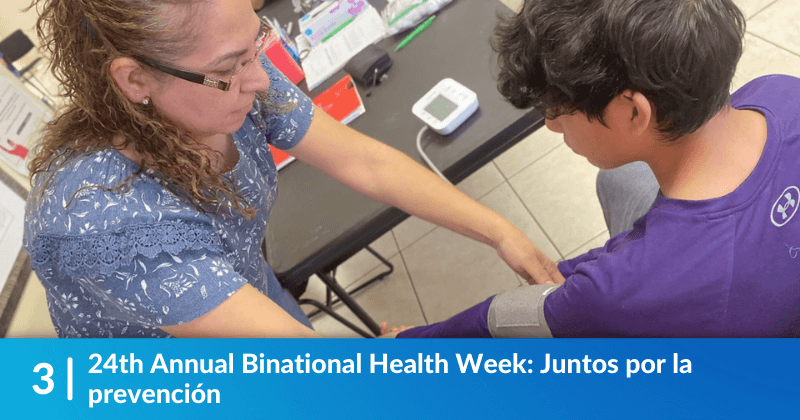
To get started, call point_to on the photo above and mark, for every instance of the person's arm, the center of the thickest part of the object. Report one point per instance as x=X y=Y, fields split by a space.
x=472 y=323
x=387 y=175
x=568 y=267
x=247 y=313
x=197 y=293
x=515 y=313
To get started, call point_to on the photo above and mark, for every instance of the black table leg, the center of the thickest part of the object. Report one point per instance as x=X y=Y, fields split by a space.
x=335 y=316
x=329 y=301
x=350 y=302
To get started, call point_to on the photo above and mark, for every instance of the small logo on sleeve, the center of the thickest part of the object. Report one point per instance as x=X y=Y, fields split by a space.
x=785 y=208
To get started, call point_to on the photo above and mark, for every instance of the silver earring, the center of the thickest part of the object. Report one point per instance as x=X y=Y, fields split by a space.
x=146 y=101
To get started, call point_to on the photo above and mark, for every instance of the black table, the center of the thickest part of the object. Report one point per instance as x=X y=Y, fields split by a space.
x=317 y=223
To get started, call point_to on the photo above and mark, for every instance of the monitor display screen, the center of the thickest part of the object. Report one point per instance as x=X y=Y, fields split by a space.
x=440 y=107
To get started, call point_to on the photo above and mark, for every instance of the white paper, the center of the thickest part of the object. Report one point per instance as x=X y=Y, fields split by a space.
x=21 y=120
x=331 y=56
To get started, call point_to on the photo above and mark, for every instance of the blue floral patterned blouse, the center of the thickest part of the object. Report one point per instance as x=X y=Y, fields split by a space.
x=121 y=264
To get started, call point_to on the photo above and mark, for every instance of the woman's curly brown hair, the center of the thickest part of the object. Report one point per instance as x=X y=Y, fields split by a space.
x=83 y=37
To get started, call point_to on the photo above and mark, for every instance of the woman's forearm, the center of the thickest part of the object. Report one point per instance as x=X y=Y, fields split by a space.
x=404 y=183
x=388 y=175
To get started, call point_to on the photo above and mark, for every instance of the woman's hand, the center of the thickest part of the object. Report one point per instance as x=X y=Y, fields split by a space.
x=527 y=260
x=387 y=332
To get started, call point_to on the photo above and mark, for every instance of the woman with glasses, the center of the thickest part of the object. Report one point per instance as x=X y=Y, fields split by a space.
x=152 y=187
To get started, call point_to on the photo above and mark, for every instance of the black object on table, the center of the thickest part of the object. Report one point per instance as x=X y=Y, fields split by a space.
x=317 y=223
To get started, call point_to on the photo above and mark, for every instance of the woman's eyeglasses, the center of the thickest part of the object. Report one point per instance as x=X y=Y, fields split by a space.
x=261 y=44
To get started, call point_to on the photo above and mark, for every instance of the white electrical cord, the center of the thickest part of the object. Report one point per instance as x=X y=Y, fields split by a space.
x=425 y=157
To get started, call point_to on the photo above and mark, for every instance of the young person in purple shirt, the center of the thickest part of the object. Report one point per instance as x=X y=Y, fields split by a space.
x=715 y=247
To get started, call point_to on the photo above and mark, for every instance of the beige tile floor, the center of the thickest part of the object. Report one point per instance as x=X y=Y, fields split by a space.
x=539 y=184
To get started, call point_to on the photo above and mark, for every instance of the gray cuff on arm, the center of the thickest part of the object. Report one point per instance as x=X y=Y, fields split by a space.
x=519 y=313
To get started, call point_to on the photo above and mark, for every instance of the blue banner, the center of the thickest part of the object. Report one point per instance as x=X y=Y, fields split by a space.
x=220 y=379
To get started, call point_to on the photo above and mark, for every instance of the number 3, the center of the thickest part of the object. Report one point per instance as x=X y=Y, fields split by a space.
x=45 y=378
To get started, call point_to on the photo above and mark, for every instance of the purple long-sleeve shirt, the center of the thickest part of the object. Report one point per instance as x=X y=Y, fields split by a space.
x=724 y=267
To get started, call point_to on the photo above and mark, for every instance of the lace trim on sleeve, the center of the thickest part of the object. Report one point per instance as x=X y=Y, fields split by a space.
x=103 y=253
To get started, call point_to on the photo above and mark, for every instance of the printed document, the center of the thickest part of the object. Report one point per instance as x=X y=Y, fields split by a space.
x=331 y=56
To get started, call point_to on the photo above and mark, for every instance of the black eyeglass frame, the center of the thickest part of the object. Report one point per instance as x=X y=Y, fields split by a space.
x=204 y=80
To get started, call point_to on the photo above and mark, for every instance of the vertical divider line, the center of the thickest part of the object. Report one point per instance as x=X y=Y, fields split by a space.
x=69 y=378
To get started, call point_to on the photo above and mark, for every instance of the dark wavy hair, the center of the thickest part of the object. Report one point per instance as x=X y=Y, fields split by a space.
x=566 y=56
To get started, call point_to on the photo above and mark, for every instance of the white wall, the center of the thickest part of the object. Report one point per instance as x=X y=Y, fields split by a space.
x=31 y=318
x=12 y=18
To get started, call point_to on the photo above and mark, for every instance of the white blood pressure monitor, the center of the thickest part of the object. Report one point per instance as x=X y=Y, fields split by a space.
x=446 y=106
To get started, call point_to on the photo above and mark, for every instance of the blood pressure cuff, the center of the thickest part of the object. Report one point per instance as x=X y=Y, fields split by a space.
x=519 y=313
x=368 y=66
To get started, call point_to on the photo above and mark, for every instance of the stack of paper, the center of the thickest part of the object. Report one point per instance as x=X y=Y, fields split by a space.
x=329 y=57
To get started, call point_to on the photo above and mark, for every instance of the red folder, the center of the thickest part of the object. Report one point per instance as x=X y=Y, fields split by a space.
x=341 y=101
x=281 y=158
x=282 y=60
